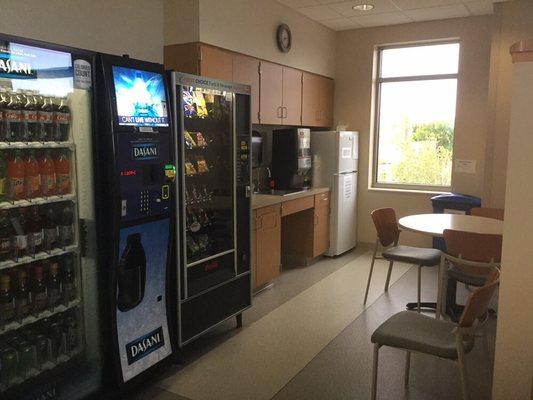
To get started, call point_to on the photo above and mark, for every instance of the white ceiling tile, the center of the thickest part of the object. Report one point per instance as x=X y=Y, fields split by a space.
x=340 y=24
x=319 y=13
x=392 y=18
x=480 y=7
x=299 y=3
x=427 y=14
x=380 y=6
x=414 y=4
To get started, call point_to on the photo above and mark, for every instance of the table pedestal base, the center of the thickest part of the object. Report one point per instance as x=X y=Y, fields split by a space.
x=424 y=305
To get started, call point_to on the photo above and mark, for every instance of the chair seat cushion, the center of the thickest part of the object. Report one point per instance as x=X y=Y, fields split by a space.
x=417 y=332
x=460 y=276
x=413 y=255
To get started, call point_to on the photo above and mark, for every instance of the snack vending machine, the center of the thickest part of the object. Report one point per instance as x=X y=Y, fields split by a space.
x=49 y=294
x=135 y=203
x=212 y=127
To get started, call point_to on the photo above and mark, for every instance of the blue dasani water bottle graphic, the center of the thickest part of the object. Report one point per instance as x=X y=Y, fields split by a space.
x=140 y=97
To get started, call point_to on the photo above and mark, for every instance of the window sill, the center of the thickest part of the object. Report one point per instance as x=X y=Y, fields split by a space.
x=411 y=191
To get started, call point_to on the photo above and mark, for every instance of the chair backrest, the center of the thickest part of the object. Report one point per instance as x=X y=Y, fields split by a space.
x=479 y=300
x=386 y=225
x=488 y=212
x=470 y=246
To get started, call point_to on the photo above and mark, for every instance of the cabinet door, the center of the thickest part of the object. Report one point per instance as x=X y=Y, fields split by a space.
x=254 y=249
x=321 y=231
x=270 y=93
x=216 y=63
x=326 y=102
x=268 y=242
x=292 y=96
x=311 y=99
x=246 y=70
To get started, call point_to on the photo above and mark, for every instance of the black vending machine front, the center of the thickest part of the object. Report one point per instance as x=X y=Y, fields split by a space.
x=135 y=171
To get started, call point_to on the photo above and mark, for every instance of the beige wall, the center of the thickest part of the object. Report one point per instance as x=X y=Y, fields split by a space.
x=119 y=26
x=249 y=26
x=182 y=21
x=513 y=368
x=513 y=21
x=353 y=96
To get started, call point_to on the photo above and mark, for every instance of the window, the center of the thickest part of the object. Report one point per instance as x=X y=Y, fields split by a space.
x=415 y=116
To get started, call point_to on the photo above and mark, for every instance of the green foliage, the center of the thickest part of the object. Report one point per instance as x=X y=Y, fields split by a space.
x=429 y=166
x=441 y=132
x=426 y=156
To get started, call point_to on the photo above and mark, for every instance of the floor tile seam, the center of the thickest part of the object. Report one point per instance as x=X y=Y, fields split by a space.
x=343 y=330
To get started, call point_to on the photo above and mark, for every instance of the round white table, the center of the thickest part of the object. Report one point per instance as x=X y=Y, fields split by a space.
x=434 y=225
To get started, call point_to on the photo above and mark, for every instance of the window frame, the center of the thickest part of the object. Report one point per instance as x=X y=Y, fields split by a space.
x=376 y=109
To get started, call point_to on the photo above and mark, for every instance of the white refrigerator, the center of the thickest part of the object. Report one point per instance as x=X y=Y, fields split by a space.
x=335 y=158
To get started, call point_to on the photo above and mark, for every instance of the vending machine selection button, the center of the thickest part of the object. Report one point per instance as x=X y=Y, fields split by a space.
x=124 y=208
x=165 y=192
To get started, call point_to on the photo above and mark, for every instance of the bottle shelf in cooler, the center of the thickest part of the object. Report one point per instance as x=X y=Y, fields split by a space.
x=36 y=145
x=44 y=314
x=37 y=201
x=34 y=372
x=38 y=256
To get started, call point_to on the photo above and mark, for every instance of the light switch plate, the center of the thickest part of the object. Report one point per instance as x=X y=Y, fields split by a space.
x=465 y=166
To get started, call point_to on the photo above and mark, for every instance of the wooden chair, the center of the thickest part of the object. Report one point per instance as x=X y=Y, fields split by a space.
x=388 y=234
x=469 y=258
x=414 y=332
x=487 y=212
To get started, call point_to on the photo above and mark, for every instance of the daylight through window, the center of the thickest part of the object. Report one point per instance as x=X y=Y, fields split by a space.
x=415 y=115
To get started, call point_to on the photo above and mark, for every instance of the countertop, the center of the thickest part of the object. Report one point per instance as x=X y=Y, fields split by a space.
x=265 y=200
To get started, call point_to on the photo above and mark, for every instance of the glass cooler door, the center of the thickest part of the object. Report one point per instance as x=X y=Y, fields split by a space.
x=49 y=340
x=208 y=188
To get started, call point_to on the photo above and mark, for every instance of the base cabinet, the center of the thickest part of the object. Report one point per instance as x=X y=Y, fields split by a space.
x=266 y=244
x=321 y=228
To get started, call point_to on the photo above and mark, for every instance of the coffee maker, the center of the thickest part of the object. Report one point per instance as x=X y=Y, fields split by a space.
x=291 y=158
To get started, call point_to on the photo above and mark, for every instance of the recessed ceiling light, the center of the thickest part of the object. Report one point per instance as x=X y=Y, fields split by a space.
x=363 y=7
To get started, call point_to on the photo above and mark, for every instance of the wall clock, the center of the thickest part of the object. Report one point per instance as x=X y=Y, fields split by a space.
x=284 y=38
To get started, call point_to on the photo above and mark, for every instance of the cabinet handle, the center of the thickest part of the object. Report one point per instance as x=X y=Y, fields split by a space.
x=280 y=112
x=284 y=112
x=316 y=220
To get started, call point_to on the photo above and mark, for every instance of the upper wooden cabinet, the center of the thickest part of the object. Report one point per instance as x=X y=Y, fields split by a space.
x=280 y=95
x=317 y=100
x=270 y=93
x=291 y=97
x=216 y=63
x=246 y=70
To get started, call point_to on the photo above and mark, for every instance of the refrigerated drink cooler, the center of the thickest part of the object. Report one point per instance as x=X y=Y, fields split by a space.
x=49 y=324
x=213 y=131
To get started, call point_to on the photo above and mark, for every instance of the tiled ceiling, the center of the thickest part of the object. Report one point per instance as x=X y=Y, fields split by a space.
x=339 y=15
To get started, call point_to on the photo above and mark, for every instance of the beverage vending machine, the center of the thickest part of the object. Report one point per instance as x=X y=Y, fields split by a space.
x=212 y=127
x=135 y=202
x=49 y=293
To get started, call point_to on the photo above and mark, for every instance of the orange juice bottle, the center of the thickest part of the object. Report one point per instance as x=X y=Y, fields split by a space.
x=33 y=178
x=62 y=170
x=48 y=177
x=15 y=176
